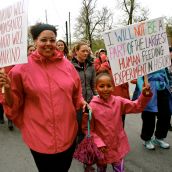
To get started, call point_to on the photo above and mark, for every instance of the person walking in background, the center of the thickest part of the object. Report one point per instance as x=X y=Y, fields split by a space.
x=61 y=46
x=30 y=49
x=84 y=65
x=85 y=69
x=106 y=124
x=41 y=98
x=156 y=115
x=101 y=62
x=169 y=75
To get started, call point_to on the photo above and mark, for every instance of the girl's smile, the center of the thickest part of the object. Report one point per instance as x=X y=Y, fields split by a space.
x=104 y=87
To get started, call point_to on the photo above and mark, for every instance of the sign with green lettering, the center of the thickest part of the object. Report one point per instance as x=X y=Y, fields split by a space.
x=137 y=50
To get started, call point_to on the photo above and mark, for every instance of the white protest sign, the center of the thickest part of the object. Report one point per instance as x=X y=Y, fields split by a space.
x=13 y=34
x=137 y=50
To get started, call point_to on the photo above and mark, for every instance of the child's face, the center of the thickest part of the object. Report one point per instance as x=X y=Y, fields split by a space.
x=104 y=87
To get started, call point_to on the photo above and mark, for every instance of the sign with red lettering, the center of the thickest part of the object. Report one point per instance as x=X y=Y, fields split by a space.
x=13 y=34
x=137 y=50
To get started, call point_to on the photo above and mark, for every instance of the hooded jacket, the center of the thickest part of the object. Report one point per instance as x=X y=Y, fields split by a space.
x=87 y=76
x=107 y=127
x=46 y=94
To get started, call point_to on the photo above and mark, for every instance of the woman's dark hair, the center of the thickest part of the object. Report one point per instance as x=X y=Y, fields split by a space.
x=104 y=73
x=36 y=29
x=66 y=50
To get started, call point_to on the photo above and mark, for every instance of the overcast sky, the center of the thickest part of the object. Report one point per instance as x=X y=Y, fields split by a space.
x=58 y=10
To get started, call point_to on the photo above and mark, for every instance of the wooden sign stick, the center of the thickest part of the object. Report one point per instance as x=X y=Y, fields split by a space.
x=3 y=88
x=146 y=82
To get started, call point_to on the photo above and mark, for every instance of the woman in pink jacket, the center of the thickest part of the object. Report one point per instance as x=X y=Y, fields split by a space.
x=106 y=123
x=41 y=98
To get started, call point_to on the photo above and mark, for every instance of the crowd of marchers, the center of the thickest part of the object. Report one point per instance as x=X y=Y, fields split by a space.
x=48 y=100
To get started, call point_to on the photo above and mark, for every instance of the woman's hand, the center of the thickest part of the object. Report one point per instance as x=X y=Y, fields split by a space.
x=85 y=107
x=5 y=85
x=5 y=81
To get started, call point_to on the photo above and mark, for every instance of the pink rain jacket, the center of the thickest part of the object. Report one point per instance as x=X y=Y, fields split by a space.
x=107 y=127
x=46 y=94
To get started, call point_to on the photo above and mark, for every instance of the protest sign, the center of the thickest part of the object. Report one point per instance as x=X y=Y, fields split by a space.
x=137 y=50
x=13 y=34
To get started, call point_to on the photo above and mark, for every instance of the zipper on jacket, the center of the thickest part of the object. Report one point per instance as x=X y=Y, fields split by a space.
x=85 y=77
x=54 y=119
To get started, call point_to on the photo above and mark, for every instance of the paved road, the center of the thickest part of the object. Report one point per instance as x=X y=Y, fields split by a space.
x=15 y=156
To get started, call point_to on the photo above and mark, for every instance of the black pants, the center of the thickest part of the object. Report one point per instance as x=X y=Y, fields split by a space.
x=160 y=119
x=1 y=112
x=80 y=134
x=59 y=162
x=123 y=120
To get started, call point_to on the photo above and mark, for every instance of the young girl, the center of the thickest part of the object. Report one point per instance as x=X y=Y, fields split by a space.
x=106 y=124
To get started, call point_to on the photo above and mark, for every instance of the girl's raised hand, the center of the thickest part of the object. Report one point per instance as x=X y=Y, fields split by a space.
x=146 y=91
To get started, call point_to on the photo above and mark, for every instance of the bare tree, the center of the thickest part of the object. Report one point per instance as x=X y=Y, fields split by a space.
x=133 y=11
x=106 y=19
x=129 y=6
x=91 y=21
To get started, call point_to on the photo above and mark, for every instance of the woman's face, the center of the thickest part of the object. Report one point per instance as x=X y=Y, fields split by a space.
x=46 y=43
x=31 y=49
x=82 y=53
x=60 y=46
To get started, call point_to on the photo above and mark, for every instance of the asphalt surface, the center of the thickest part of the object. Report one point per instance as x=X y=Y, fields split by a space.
x=16 y=157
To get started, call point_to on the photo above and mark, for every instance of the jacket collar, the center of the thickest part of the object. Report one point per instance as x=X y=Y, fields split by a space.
x=58 y=55
x=99 y=100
